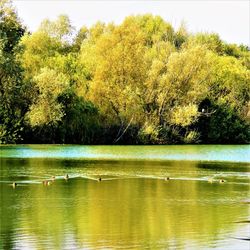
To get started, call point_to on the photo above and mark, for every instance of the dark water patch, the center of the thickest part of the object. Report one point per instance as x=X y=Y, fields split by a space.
x=243 y=221
x=225 y=166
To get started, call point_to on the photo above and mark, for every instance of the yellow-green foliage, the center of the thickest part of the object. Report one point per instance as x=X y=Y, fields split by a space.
x=191 y=137
x=46 y=110
x=119 y=72
x=184 y=115
x=140 y=77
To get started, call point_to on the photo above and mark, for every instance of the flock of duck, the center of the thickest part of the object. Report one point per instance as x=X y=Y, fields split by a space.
x=51 y=180
x=211 y=180
x=66 y=177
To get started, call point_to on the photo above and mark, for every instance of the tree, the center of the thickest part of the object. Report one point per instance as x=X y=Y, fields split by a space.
x=154 y=28
x=176 y=85
x=80 y=37
x=119 y=75
x=11 y=29
x=211 y=41
x=229 y=96
x=12 y=89
x=181 y=36
x=60 y=28
x=137 y=82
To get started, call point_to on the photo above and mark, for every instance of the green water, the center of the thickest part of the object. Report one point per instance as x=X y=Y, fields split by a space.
x=133 y=206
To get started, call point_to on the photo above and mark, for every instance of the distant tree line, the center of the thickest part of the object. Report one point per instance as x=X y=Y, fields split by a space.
x=140 y=82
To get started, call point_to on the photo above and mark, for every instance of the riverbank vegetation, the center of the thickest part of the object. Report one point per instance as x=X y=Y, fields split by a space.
x=139 y=82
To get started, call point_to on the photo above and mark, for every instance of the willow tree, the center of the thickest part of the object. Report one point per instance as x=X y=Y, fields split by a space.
x=229 y=94
x=42 y=54
x=154 y=28
x=57 y=82
x=176 y=84
x=119 y=75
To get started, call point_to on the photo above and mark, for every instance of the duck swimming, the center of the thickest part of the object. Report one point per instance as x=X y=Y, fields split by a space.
x=167 y=178
x=210 y=180
x=46 y=183
x=66 y=177
x=14 y=184
x=222 y=181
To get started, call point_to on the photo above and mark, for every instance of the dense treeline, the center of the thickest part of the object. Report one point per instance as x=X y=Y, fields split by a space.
x=140 y=82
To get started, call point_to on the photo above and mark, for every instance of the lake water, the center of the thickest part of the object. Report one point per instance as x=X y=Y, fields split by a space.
x=133 y=206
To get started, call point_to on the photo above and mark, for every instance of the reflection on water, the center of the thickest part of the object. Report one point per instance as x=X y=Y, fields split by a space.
x=132 y=207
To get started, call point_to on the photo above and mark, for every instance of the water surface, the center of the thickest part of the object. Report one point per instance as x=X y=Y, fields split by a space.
x=133 y=206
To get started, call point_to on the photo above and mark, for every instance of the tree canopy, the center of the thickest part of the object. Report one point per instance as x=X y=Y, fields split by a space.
x=139 y=82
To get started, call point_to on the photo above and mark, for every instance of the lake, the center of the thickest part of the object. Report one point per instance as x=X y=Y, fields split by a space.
x=119 y=197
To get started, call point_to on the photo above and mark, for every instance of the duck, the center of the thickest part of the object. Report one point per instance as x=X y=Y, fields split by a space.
x=221 y=180
x=14 y=184
x=66 y=177
x=210 y=180
x=46 y=183
x=167 y=178
x=99 y=179
x=53 y=178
